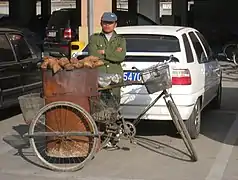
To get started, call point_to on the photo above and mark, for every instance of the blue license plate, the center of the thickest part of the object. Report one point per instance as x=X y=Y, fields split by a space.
x=132 y=76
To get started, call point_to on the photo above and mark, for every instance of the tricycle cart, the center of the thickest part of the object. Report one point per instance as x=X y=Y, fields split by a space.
x=70 y=126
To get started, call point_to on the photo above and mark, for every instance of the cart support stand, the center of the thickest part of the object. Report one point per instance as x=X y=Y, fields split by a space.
x=180 y=126
x=176 y=118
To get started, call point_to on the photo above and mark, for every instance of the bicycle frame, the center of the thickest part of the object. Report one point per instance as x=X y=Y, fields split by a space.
x=175 y=115
x=129 y=83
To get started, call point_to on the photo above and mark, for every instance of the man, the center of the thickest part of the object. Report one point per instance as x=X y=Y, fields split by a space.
x=110 y=47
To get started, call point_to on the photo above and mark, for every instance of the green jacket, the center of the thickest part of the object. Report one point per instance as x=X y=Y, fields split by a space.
x=111 y=58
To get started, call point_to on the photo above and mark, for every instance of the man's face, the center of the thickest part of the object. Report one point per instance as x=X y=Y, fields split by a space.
x=108 y=27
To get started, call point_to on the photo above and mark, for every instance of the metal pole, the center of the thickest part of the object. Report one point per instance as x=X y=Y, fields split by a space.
x=90 y=17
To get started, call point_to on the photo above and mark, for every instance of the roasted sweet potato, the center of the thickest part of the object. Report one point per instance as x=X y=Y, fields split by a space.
x=88 y=64
x=74 y=60
x=93 y=59
x=98 y=63
x=78 y=65
x=46 y=58
x=56 y=68
x=44 y=65
x=69 y=67
x=48 y=62
x=63 y=61
x=51 y=62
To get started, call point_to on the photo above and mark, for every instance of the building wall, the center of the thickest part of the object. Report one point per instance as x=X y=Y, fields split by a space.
x=165 y=7
x=100 y=6
x=55 y=6
x=150 y=10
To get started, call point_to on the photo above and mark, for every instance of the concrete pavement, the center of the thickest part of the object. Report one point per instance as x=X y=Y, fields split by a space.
x=159 y=155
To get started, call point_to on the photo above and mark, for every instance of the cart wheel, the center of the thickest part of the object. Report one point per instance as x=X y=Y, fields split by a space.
x=63 y=136
x=177 y=119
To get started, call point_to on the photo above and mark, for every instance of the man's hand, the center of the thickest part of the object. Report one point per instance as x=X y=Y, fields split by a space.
x=101 y=51
x=119 y=49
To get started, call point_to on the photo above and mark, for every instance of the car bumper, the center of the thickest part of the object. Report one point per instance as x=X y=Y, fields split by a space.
x=56 y=49
x=131 y=110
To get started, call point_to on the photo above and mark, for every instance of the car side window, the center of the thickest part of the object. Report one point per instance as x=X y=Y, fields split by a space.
x=6 y=52
x=20 y=46
x=188 y=50
x=205 y=44
x=198 y=48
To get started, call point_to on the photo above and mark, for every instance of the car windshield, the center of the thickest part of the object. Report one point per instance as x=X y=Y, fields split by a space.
x=152 y=43
x=59 y=19
x=64 y=18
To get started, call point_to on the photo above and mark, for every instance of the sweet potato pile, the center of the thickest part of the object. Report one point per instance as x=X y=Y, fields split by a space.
x=64 y=63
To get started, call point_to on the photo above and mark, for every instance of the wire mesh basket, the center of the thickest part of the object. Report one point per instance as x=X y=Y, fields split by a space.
x=104 y=109
x=156 y=78
x=30 y=104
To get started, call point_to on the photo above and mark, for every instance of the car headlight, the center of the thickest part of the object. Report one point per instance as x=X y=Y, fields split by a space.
x=107 y=79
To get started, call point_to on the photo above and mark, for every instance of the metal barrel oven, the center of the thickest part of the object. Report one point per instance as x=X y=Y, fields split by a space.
x=75 y=86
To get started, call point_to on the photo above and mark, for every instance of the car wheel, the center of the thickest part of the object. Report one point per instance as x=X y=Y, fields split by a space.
x=193 y=124
x=216 y=102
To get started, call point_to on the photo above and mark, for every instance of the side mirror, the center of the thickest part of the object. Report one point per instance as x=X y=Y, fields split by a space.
x=219 y=56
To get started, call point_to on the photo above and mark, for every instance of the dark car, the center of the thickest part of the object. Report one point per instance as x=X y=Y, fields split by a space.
x=63 y=26
x=36 y=25
x=34 y=40
x=19 y=72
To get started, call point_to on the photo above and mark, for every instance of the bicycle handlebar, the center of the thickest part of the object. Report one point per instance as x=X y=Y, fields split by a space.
x=124 y=84
x=129 y=83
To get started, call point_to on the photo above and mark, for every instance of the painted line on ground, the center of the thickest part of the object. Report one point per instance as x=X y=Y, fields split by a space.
x=222 y=158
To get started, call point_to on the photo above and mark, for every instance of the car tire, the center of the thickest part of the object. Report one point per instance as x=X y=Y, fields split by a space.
x=216 y=102
x=193 y=124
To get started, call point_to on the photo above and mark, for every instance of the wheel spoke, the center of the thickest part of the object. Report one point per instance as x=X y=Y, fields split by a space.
x=56 y=146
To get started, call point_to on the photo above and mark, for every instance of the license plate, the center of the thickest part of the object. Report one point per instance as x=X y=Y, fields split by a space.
x=51 y=34
x=132 y=76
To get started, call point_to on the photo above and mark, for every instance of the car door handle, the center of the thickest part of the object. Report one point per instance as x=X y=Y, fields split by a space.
x=24 y=66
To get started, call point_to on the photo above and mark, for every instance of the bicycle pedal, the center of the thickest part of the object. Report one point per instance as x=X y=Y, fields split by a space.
x=112 y=148
x=133 y=141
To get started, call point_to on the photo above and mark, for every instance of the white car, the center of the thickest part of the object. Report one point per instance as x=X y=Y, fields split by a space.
x=196 y=78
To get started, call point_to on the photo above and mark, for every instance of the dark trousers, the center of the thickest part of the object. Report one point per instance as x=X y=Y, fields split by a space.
x=117 y=94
